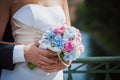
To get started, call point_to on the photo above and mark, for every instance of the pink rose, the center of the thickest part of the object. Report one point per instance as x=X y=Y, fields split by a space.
x=59 y=30
x=68 y=46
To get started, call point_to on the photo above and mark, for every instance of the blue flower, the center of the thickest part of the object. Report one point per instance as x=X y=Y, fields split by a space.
x=71 y=56
x=57 y=41
x=50 y=35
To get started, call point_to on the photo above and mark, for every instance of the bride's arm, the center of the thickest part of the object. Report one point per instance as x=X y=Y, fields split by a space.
x=64 y=4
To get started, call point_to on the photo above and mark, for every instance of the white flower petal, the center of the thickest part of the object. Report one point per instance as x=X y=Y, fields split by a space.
x=44 y=44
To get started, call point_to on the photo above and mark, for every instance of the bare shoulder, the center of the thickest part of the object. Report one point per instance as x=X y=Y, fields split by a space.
x=66 y=11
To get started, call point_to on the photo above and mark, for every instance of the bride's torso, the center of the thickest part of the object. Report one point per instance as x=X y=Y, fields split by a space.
x=29 y=23
x=32 y=19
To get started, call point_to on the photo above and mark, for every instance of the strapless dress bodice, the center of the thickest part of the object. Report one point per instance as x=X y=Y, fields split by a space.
x=29 y=23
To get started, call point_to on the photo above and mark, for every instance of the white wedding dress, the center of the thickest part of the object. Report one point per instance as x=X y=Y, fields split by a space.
x=29 y=23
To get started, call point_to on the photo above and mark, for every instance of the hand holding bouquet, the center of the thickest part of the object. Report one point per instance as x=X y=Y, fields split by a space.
x=65 y=40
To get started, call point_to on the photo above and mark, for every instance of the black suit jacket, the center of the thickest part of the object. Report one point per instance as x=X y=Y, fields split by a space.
x=6 y=51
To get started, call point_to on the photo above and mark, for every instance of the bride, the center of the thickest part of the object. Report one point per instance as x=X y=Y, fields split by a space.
x=30 y=19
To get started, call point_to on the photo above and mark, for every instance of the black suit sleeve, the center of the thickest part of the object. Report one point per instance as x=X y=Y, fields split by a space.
x=6 y=50
x=6 y=56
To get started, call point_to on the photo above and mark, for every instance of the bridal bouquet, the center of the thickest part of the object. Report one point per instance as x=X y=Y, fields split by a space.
x=65 y=40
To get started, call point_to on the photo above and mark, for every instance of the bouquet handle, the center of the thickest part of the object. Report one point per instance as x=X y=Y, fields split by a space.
x=59 y=56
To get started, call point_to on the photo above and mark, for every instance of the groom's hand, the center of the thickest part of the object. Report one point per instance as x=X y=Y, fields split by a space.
x=37 y=56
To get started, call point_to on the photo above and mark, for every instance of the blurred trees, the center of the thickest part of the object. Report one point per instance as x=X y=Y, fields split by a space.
x=100 y=18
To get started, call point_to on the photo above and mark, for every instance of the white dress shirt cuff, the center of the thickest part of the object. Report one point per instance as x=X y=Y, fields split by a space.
x=18 y=54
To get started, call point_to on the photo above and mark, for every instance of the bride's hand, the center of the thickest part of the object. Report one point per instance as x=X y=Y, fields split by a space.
x=55 y=67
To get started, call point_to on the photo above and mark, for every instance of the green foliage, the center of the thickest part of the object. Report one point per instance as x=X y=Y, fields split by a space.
x=101 y=19
x=31 y=66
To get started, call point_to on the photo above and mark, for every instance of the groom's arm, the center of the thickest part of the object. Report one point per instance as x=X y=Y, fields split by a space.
x=10 y=54
x=6 y=56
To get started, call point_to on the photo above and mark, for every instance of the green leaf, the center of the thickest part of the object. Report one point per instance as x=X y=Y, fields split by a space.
x=61 y=56
x=31 y=66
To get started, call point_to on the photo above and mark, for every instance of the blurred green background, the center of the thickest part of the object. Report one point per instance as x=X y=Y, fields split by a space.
x=100 y=19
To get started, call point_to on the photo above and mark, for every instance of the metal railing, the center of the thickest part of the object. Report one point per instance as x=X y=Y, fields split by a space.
x=95 y=65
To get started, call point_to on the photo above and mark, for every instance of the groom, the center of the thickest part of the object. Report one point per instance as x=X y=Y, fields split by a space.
x=10 y=54
x=6 y=51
